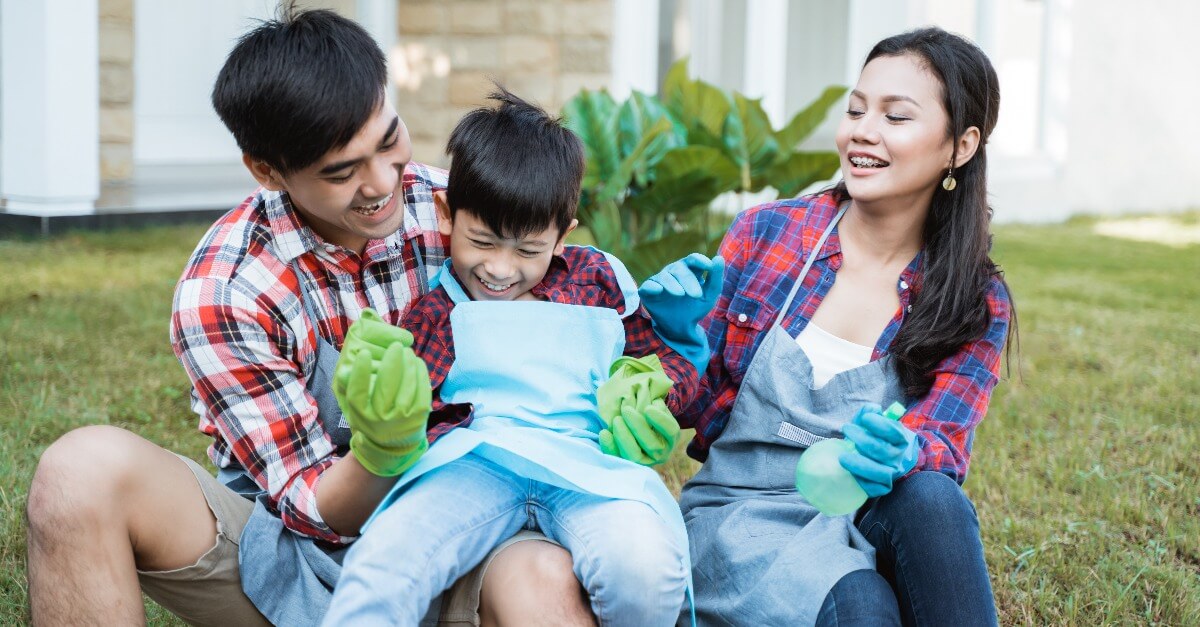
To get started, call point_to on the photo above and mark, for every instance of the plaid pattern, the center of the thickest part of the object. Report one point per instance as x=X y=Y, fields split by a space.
x=764 y=251
x=581 y=276
x=239 y=328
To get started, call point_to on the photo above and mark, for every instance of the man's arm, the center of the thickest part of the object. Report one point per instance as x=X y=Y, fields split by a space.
x=253 y=398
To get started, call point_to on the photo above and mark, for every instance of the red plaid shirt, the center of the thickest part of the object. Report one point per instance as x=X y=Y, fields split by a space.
x=581 y=276
x=241 y=331
x=765 y=251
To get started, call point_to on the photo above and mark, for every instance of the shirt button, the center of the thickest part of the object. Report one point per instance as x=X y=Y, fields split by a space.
x=741 y=317
x=903 y=284
x=908 y=309
x=329 y=248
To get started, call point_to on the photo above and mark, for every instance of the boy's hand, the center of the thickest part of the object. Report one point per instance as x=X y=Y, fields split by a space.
x=640 y=428
x=678 y=298
x=387 y=404
x=643 y=433
x=885 y=450
x=372 y=333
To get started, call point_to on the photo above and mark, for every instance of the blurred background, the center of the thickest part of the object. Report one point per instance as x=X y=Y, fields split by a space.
x=1084 y=473
x=104 y=103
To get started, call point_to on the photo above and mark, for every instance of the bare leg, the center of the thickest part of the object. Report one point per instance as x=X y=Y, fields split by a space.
x=533 y=583
x=103 y=503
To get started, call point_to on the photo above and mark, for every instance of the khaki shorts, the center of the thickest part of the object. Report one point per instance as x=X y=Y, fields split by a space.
x=209 y=592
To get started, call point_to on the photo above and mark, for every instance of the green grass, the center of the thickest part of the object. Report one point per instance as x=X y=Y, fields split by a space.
x=1084 y=471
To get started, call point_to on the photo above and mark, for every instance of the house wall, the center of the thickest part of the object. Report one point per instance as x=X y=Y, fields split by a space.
x=1133 y=145
x=116 y=90
x=448 y=52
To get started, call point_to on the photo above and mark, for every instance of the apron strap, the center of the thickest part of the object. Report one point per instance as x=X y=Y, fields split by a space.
x=629 y=288
x=808 y=264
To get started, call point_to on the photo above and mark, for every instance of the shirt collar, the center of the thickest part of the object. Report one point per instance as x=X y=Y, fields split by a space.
x=294 y=238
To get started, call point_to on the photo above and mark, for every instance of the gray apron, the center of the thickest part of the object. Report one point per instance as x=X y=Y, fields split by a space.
x=289 y=577
x=761 y=554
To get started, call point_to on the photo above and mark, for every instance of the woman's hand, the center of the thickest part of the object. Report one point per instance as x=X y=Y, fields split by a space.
x=678 y=298
x=885 y=450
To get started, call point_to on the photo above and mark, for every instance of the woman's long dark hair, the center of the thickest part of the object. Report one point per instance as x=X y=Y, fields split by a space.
x=949 y=305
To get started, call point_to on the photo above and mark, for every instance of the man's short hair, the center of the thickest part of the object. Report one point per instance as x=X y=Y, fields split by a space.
x=515 y=167
x=298 y=86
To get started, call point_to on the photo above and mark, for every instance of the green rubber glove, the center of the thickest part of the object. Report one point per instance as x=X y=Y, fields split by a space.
x=387 y=404
x=373 y=333
x=640 y=428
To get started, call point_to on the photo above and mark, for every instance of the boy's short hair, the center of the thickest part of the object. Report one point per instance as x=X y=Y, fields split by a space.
x=515 y=167
x=298 y=86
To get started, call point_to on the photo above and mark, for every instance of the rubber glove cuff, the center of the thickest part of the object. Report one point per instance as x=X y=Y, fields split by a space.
x=384 y=461
x=884 y=450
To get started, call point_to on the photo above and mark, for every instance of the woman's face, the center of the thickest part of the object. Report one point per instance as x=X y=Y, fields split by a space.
x=892 y=142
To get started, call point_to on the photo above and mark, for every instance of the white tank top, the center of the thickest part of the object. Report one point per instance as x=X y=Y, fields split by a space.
x=830 y=354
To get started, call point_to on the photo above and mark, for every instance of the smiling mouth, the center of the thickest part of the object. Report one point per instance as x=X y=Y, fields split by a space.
x=867 y=162
x=370 y=210
x=494 y=287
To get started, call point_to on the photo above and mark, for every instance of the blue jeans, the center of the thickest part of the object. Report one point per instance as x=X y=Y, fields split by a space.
x=450 y=519
x=927 y=546
x=861 y=598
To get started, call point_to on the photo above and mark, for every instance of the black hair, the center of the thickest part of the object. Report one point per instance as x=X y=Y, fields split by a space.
x=514 y=167
x=298 y=86
x=949 y=306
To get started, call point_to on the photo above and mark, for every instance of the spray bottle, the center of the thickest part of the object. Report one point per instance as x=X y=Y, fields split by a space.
x=821 y=479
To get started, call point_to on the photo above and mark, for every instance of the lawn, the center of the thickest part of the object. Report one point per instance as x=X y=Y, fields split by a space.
x=1084 y=471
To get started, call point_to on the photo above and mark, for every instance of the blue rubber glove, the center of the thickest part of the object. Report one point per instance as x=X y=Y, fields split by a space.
x=885 y=450
x=678 y=298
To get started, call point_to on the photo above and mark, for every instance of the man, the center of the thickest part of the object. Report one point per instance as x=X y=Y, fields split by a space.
x=342 y=222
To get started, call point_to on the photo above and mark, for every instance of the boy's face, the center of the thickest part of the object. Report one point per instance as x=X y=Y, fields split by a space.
x=352 y=194
x=492 y=267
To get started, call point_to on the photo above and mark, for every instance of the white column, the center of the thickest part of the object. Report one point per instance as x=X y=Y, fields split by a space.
x=49 y=117
x=1056 y=84
x=379 y=18
x=705 y=26
x=766 y=55
x=634 y=47
x=870 y=21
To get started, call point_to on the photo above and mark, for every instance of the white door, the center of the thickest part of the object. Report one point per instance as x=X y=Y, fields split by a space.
x=178 y=49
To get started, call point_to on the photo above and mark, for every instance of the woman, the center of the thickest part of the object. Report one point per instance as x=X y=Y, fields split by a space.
x=833 y=305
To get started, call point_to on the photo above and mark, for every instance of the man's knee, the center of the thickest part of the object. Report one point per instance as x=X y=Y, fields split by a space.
x=77 y=475
x=549 y=568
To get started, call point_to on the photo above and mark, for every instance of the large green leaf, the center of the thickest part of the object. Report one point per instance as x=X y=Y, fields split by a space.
x=652 y=143
x=686 y=177
x=804 y=123
x=750 y=141
x=635 y=118
x=801 y=170
x=592 y=116
x=647 y=258
x=701 y=107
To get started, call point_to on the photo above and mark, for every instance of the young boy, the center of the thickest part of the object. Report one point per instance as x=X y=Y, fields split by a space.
x=520 y=334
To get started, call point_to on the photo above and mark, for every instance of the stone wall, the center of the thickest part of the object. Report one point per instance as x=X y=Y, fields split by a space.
x=116 y=90
x=449 y=51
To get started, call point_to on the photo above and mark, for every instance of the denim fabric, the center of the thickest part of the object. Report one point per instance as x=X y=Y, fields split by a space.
x=624 y=553
x=861 y=598
x=927 y=545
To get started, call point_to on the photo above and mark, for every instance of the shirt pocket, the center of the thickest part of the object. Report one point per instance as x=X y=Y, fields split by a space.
x=747 y=320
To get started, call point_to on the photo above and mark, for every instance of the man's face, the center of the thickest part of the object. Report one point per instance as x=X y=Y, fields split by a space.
x=352 y=194
x=493 y=267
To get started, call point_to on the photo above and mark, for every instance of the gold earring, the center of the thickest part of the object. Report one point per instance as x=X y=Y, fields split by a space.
x=949 y=183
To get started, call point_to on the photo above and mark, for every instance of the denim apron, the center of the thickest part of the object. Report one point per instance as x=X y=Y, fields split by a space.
x=763 y=555
x=289 y=577
x=531 y=369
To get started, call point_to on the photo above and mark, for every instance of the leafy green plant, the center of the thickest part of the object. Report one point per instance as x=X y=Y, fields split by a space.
x=655 y=164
